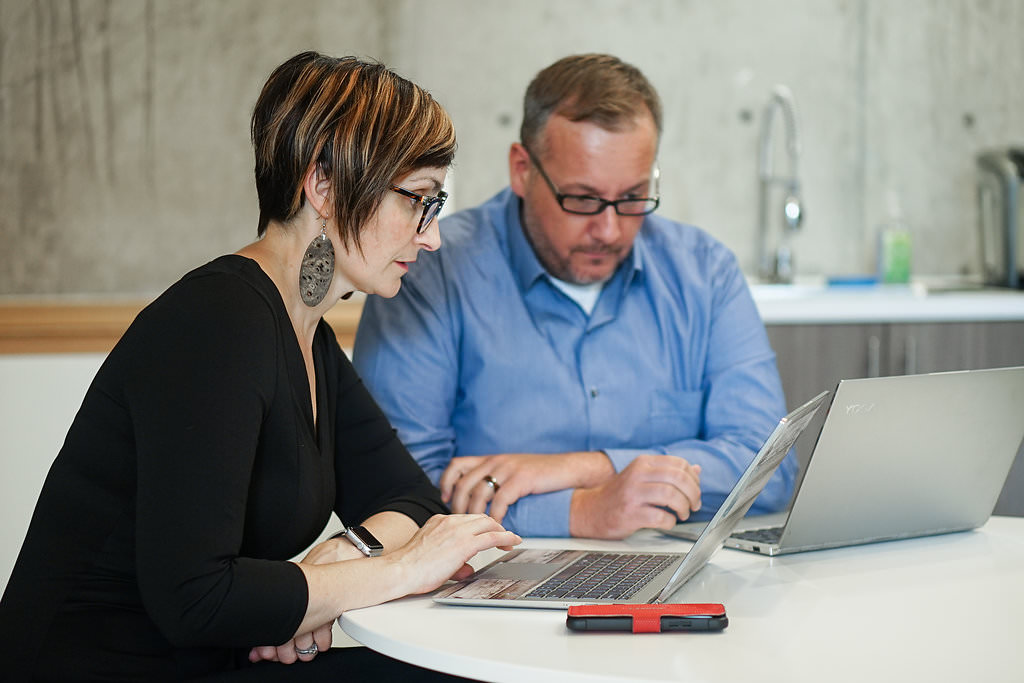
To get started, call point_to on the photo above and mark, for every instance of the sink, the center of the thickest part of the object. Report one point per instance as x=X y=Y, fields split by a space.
x=847 y=287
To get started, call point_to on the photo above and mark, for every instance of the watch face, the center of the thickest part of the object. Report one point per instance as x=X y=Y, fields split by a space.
x=364 y=540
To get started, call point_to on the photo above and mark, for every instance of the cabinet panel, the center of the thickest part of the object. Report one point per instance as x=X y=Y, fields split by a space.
x=938 y=347
x=812 y=358
x=815 y=357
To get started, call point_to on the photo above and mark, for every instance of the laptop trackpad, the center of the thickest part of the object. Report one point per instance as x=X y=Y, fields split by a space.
x=520 y=571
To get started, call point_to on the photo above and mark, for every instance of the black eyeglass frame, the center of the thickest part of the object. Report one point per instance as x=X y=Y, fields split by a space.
x=560 y=197
x=431 y=205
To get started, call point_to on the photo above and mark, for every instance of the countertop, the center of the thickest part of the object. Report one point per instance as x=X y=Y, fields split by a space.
x=74 y=324
x=817 y=303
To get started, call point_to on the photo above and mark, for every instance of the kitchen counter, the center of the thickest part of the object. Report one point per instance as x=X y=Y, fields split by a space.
x=85 y=324
x=813 y=303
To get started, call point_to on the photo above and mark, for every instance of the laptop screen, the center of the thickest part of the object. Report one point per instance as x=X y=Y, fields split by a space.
x=743 y=494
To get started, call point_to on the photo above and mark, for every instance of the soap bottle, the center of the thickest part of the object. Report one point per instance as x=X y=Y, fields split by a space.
x=894 y=245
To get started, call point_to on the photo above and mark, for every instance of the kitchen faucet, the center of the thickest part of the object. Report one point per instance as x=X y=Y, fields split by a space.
x=777 y=265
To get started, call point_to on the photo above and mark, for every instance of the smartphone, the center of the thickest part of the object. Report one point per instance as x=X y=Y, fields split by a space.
x=647 y=618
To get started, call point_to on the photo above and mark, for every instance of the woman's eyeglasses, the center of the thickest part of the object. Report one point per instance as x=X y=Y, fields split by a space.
x=431 y=205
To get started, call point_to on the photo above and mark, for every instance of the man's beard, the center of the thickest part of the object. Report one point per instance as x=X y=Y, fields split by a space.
x=562 y=268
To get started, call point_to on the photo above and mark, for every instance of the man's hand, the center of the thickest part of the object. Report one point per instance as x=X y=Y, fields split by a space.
x=651 y=492
x=465 y=488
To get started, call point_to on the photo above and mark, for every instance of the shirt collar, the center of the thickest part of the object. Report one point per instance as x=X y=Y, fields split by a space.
x=520 y=254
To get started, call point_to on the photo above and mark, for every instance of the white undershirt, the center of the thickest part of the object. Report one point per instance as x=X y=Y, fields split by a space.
x=585 y=296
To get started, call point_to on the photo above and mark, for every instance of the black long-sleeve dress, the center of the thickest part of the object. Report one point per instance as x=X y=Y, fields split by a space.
x=192 y=472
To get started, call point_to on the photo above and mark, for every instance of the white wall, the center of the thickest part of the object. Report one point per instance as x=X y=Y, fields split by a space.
x=39 y=397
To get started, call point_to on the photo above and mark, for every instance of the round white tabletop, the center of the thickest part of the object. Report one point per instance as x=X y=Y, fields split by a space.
x=942 y=608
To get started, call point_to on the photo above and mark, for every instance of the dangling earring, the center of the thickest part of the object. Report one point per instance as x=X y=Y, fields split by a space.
x=317 y=268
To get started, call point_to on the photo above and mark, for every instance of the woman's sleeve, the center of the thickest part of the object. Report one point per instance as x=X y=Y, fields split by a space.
x=374 y=471
x=200 y=386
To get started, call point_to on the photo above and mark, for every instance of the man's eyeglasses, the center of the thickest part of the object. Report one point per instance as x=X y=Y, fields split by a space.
x=431 y=205
x=587 y=205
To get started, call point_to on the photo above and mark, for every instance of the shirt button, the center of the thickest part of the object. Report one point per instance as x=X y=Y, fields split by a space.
x=593 y=393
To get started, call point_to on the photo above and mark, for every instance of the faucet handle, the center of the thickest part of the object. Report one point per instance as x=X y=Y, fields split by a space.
x=793 y=212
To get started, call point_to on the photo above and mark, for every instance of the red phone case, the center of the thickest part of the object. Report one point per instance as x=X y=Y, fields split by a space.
x=647 y=618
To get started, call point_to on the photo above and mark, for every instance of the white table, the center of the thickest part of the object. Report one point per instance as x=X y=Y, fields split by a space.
x=944 y=608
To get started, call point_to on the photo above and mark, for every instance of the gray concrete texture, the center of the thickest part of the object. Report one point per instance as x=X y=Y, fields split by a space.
x=125 y=159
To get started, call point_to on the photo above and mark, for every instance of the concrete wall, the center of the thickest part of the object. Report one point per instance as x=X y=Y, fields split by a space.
x=124 y=131
x=125 y=161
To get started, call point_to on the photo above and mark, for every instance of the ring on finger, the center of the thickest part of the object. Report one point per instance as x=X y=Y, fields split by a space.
x=492 y=482
x=311 y=650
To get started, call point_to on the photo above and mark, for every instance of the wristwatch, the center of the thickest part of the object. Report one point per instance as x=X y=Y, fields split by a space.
x=364 y=540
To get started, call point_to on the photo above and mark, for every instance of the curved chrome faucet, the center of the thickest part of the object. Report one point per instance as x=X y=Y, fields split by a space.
x=777 y=265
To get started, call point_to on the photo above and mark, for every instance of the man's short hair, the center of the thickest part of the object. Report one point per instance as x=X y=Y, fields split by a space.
x=598 y=88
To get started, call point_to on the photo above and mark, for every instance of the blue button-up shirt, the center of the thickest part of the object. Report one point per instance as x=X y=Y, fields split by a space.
x=480 y=353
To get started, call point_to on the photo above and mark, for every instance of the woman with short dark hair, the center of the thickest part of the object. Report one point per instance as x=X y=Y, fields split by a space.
x=227 y=424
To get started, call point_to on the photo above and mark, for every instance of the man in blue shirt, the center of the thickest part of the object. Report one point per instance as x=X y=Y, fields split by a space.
x=569 y=361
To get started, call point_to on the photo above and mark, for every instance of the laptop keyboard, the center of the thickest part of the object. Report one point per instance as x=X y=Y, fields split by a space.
x=603 y=576
x=770 y=535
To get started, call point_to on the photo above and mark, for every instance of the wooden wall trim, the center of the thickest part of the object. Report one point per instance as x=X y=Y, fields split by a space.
x=71 y=326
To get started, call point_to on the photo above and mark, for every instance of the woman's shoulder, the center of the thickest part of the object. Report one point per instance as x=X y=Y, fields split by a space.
x=227 y=297
x=230 y=276
x=227 y=282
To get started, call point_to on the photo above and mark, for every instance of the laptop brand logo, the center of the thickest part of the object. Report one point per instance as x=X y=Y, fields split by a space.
x=859 y=408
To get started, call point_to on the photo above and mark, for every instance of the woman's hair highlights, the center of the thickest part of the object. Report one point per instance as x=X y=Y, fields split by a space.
x=363 y=125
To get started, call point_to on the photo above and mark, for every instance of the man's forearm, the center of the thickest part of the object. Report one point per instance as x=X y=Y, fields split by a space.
x=592 y=468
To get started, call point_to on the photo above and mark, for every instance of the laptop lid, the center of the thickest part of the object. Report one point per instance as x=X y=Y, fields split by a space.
x=900 y=457
x=742 y=496
x=515 y=578
x=906 y=456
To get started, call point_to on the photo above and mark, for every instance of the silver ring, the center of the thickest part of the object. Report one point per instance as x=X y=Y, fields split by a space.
x=492 y=482
x=312 y=650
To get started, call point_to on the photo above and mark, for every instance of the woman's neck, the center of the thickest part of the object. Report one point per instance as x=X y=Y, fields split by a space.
x=279 y=254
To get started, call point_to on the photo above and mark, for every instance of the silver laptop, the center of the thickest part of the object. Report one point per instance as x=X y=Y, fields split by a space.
x=556 y=579
x=898 y=457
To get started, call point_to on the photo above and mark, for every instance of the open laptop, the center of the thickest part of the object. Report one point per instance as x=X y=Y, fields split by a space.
x=556 y=579
x=898 y=457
